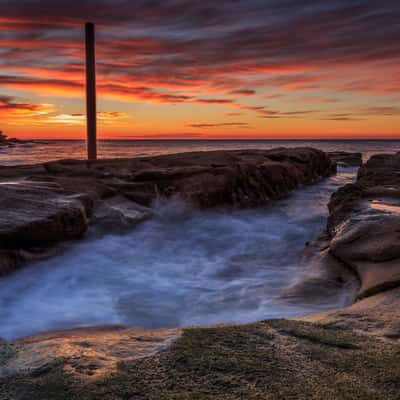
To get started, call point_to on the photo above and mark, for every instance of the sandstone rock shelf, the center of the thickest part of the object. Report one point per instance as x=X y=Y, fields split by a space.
x=364 y=224
x=46 y=204
x=349 y=353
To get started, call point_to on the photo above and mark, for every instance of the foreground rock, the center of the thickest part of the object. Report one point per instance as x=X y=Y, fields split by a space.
x=364 y=224
x=267 y=360
x=363 y=233
x=36 y=215
x=89 y=353
x=349 y=353
x=46 y=204
x=326 y=279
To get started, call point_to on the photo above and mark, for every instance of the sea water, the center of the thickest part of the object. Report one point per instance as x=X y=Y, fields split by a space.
x=183 y=267
x=51 y=150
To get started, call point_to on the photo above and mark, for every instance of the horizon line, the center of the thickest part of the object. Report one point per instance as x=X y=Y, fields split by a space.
x=216 y=140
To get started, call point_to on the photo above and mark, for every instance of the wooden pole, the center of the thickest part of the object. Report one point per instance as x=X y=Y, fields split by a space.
x=91 y=92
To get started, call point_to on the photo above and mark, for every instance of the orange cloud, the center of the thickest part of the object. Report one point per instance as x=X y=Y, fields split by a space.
x=104 y=118
x=214 y=55
x=17 y=112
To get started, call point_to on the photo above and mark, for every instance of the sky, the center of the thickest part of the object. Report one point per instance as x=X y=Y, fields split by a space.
x=186 y=69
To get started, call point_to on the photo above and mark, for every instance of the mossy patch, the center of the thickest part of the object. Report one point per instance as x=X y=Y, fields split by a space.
x=267 y=360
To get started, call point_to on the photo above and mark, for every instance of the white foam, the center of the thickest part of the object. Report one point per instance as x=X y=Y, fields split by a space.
x=180 y=268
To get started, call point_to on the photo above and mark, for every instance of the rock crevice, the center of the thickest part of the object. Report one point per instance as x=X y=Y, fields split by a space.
x=46 y=204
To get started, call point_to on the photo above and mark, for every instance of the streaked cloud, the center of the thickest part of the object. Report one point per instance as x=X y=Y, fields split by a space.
x=219 y=125
x=103 y=118
x=266 y=60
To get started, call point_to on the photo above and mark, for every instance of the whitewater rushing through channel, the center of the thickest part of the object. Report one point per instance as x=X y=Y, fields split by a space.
x=181 y=268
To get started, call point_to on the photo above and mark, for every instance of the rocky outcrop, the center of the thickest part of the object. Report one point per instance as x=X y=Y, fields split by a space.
x=7 y=142
x=364 y=224
x=46 y=204
x=206 y=179
x=346 y=159
x=348 y=353
x=37 y=213
x=3 y=139
x=326 y=279
x=363 y=232
x=118 y=214
x=34 y=216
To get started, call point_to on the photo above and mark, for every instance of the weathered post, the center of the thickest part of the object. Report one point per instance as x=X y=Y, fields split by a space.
x=91 y=92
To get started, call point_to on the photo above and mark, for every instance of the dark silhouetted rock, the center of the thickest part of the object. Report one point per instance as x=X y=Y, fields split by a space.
x=5 y=141
x=37 y=214
x=345 y=159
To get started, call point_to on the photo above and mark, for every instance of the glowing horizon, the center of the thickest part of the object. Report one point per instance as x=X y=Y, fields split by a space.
x=179 y=70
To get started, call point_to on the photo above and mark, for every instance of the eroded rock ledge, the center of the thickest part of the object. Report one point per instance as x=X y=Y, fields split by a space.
x=46 y=204
x=350 y=353
x=363 y=234
x=346 y=159
x=364 y=224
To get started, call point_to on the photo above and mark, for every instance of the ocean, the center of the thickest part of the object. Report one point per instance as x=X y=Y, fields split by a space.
x=32 y=153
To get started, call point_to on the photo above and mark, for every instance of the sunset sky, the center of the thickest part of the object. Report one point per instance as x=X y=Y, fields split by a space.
x=203 y=69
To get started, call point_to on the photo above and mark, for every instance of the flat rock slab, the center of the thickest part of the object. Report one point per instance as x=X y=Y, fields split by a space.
x=85 y=353
x=377 y=315
x=266 y=360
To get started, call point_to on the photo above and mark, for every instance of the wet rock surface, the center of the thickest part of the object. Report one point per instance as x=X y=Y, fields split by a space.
x=349 y=353
x=325 y=279
x=364 y=224
x=36 y=215
x=86 y=353
x=46 y=204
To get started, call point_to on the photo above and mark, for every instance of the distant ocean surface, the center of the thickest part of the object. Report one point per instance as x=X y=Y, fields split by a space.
x=32 y=153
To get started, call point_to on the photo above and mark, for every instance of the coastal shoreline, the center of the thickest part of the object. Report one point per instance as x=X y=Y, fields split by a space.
x=46 y=204
x=255 y=359
x=6 y=142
